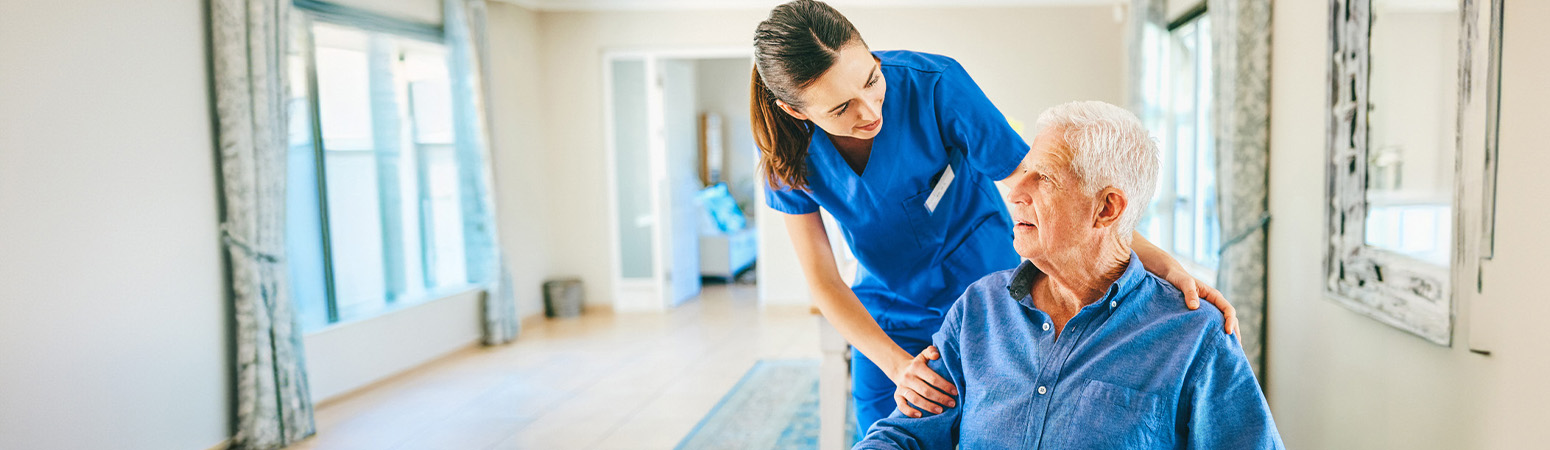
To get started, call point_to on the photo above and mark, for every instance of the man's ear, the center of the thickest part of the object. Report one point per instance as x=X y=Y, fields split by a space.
x=789 y=110
x=1111 y=205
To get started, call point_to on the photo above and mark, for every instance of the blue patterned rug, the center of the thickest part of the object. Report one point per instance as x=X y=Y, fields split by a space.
x=774 y=406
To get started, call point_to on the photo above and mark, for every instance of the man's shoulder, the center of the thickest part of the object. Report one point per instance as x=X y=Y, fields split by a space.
x=1172 y=330
x=1162 y=305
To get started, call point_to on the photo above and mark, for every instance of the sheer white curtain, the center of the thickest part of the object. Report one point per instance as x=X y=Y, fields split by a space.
x=248 y=39
x=467 y=48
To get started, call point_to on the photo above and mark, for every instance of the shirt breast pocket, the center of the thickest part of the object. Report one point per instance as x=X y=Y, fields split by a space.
x=929 y=211
x=1110 y=416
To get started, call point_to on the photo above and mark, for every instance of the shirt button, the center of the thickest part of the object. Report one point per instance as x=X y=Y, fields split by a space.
x=1041 y=390
x=1046 y=326
x=1113 y=304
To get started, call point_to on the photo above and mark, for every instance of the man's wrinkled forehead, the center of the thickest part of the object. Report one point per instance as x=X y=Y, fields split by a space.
x=1049 y=152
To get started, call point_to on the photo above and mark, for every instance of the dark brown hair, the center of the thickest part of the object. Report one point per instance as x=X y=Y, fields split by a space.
x=793 y=47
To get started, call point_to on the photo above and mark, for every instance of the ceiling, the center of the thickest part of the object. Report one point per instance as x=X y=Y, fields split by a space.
x=647 y=5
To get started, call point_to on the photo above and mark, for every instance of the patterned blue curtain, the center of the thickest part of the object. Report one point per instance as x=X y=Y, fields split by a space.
x=248 y=43
x=467 y=48
x=1241 y=51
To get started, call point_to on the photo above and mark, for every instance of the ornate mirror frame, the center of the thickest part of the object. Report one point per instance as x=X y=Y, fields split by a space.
x=1397 y=290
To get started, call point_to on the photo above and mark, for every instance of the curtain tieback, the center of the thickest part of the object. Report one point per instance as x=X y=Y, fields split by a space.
x=233 y=241
x=1264 y=220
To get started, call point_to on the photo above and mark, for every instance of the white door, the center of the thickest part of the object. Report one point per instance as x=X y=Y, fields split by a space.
x=681 y=145
x=654 y=153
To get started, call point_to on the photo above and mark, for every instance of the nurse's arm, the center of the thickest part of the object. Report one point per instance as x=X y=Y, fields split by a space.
x=842 y=309
x=1163 y=265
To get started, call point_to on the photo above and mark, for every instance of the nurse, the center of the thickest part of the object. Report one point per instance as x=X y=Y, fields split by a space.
x=902 y=148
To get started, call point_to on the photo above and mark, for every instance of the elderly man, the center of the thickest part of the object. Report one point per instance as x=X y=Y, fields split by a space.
x=1080 y=347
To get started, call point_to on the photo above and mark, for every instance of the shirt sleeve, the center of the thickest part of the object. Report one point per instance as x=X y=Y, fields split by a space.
x=790 y=201
x=938 y=431
x=971 y=123
x=1227 y=408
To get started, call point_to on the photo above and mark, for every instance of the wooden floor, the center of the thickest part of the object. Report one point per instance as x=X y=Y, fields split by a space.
x=602 y=381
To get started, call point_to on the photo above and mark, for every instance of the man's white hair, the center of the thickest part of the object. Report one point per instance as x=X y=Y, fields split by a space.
x=1109 y=147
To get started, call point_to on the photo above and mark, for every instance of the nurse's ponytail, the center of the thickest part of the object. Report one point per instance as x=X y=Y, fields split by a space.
x=793 y=47
x=782 y=139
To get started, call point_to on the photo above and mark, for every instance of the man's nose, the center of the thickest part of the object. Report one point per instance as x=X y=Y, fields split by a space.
x=1015 y=192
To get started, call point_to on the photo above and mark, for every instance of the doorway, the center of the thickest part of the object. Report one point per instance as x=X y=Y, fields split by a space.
x=681 y=161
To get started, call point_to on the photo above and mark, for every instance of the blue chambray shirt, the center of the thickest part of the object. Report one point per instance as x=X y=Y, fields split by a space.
x=1135 y=370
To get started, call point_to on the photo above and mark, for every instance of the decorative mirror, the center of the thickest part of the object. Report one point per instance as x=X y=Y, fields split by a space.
x=1407 y=142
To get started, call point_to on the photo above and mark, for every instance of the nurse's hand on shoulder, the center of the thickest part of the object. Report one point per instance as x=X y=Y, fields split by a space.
x=918 y=385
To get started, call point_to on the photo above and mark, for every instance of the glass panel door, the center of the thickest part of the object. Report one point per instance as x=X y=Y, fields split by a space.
x=634 y=204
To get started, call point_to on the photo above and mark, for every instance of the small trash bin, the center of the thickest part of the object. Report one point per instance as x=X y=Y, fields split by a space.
x=563 y=297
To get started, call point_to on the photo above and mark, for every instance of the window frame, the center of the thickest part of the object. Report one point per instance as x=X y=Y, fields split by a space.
x=1159 y=107
x=309 y=13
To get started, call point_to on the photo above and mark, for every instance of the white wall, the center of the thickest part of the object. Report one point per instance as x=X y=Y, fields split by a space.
x=1340 y=380
x=114 y=308
x=113 y=316
x=779 y=272
x=516 y=137
x=1026 y=59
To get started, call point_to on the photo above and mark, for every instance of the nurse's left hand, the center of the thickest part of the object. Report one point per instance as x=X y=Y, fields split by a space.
x=1194 y=290
x=918 y=386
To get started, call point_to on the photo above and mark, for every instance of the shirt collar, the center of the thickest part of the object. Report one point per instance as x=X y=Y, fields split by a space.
x=1022 y=281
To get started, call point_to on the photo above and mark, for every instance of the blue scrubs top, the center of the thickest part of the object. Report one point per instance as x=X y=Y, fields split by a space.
x=924 y=218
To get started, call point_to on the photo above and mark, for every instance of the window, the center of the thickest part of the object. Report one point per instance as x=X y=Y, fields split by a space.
x=1182 y=217
x=374 y=213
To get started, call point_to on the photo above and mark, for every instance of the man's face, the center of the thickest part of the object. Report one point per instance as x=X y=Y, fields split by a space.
x=1053 y=216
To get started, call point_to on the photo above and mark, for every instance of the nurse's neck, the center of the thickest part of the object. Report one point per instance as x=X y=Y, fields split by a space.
x=855 y=151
